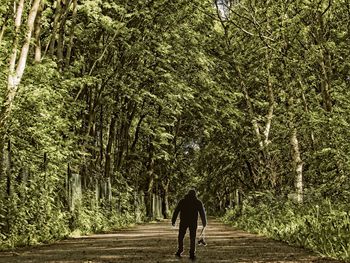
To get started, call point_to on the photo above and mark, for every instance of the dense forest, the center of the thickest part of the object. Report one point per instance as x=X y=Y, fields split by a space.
x=111 y=110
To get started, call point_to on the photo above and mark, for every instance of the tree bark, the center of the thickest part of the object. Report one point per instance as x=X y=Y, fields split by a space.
x=298 y=165
x=271 y=108
x=37 y=31
x=165 y=199
x=2 y=31
x=325 y=65
x=55 y=28
x=25 y=48
x=325 y=86
x=306 y=108
x=111 y=139
x=250 y=110
x=16 y=71
x=150 y=181
x=61 y=33
x=71 y=35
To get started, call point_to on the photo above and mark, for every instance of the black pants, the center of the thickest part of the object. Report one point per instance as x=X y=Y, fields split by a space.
x=182 y=232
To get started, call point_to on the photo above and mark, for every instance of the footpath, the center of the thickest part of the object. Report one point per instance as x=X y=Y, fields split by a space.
x=157 y=242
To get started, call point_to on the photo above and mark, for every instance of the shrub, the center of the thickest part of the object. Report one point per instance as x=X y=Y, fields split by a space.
x=322 y=226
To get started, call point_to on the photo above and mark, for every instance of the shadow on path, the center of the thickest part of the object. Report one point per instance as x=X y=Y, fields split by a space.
x=156 y=242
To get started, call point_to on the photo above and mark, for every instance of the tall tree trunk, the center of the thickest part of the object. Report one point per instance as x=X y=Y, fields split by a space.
x=3 y=28
x=271 y=108
x=60 y=42
x=14 y=78
x=325 y=85
x=298 y=165
x=306 y=108
x=55 y=28
x=37 y=30
x=16 y=71
x=165 y=199
x=101 y=136
x=111 y=139
x=150 y=182
x=71 y=34
x=324 y=63
x=250 y=109
x=7 y=167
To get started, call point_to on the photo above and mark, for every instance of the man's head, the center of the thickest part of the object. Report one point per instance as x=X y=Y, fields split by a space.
x=192 y=193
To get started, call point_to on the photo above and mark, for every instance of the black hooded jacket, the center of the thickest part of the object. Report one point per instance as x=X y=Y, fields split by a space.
x=189 y=207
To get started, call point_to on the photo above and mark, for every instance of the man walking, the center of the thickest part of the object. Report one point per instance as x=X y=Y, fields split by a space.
x=189 y=207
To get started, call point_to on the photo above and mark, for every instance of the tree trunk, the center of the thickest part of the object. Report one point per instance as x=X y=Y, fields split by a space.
x=306 y=108
x=101 y=136
x=111 y=139
x=71 y=35
x=16 y=72
x=325 y=64
x=150 y=182
x=37 y=30
x=25 y=49
x=271 y=108
x=250 y=110
x=298 y=165
x=55 y=28
x=2 y=31
x=325 y=86
x=60 y=41
x=7 y=167
x=165 y=200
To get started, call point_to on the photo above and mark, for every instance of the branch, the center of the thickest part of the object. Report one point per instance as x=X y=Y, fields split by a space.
x=327 y=8
x=103 y=53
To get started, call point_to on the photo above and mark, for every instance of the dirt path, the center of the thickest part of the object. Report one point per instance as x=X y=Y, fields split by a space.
x=156 y=242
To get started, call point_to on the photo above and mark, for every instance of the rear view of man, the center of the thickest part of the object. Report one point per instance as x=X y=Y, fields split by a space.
x=189 y=207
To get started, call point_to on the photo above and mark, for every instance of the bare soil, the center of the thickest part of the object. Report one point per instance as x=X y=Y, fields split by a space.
x=157 y=242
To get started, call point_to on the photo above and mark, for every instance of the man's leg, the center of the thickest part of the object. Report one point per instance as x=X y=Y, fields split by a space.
x=193 y=232
x=182 y=232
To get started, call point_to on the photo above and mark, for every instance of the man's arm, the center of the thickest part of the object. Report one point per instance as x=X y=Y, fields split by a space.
x=202 y=214
x=176 y=212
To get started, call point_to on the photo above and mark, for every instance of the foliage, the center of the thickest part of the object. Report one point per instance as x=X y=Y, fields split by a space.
x=320 y=225
x=89 y=218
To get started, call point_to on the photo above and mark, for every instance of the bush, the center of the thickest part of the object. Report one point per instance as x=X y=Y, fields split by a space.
x=322 y=226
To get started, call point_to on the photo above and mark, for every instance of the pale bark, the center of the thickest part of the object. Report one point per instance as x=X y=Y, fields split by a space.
x=3 y=25
x=16 y=71
x=18 y=22
x=271 y=109
x=37 y=31
x=11 y=87
x=3 y=28
x=250 y=109
x=298 y=165
x=25 y=48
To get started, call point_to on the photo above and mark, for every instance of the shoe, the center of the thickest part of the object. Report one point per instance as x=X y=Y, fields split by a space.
x=202 y=242
x=178 y=254
x=192 y=257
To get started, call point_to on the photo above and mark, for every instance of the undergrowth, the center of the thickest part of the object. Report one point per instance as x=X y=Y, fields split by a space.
x=45 y=222
x=321 y=226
